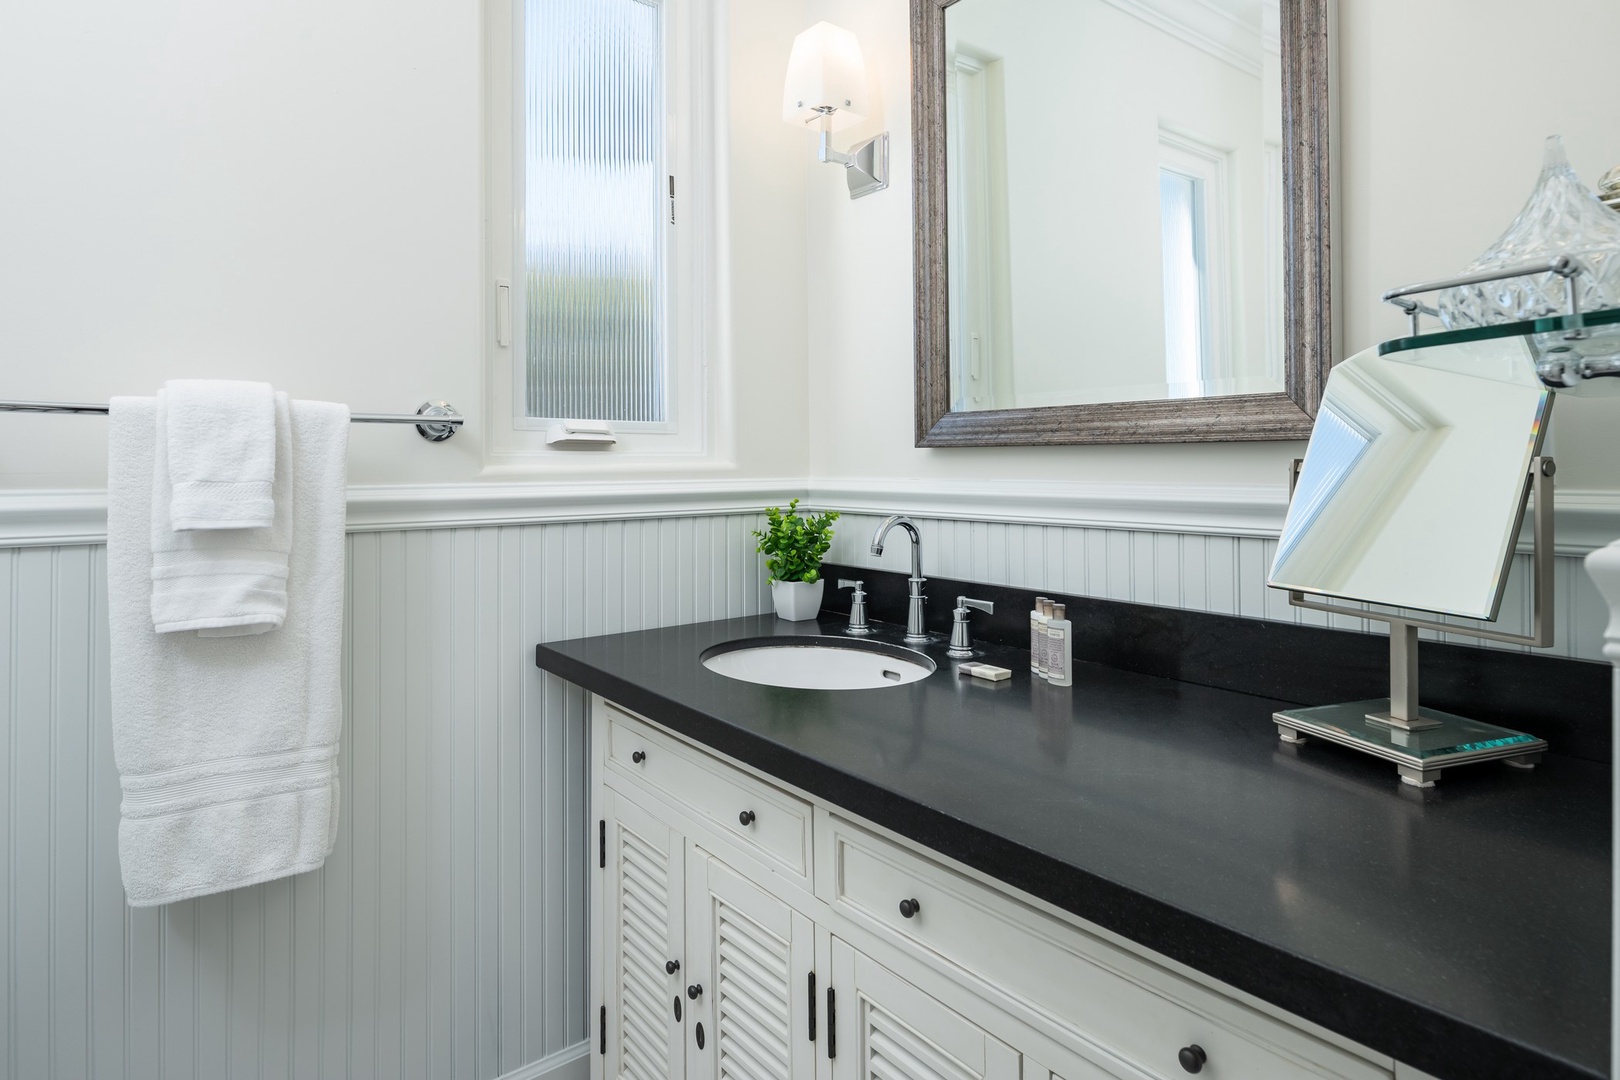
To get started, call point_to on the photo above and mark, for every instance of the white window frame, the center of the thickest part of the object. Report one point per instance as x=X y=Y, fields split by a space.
x=693 y=132
x=1192 y=157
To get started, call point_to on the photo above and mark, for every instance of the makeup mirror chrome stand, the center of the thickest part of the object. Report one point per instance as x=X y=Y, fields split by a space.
x=1423 y=742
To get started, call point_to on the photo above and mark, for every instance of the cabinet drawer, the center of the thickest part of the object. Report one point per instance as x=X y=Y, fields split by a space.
x=1120 y=1005
x=757 y=815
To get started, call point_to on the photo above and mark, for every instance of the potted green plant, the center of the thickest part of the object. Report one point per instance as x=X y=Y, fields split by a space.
x=793 y=546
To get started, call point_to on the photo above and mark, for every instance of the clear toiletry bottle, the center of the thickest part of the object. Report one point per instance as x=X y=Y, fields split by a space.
x=1059 y=663
x=1035 y=639
x=1042 y=642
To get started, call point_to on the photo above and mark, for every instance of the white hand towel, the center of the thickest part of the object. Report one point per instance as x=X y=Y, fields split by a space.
x=221 y=582
x=226 y=747
x=221 y=446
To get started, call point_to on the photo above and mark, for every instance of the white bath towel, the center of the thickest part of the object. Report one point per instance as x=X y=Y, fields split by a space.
x=226 y=747
x=221 y=444
x=221 y=582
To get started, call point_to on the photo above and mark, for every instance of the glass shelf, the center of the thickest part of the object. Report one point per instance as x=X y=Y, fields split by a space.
x=1588 y=366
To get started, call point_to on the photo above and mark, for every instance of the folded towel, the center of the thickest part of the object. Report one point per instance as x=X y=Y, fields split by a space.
x=226 y=747
x=222 y=453
x=221 y=582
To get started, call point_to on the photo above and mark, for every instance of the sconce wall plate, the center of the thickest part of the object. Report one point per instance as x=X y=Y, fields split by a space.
x=868 y=167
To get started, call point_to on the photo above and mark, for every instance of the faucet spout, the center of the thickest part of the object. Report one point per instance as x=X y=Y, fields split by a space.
x=915 y=634
x=901 y=521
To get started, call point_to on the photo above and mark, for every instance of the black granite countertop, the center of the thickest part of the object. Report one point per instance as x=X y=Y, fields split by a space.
x=1464 y=930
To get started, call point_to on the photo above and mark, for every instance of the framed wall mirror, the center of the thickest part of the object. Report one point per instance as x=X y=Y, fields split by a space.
x=1121 y=220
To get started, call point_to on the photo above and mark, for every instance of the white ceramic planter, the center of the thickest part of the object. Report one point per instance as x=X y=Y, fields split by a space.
x=797 y=601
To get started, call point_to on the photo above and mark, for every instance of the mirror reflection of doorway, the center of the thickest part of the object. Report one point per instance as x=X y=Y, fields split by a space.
x=981 y=291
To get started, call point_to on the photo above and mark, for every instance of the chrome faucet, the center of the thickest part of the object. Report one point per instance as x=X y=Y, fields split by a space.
x=914 y=607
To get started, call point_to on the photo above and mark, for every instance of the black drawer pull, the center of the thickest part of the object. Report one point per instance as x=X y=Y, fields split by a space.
x=909 y=908
x=638 y=756
x=671 y=966
x=1192 y=1058
x=693 y=991
x=746 y=817
x=700 y=1035
x=677 y=1008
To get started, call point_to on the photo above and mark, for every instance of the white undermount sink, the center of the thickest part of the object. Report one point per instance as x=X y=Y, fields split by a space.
x=818 y=663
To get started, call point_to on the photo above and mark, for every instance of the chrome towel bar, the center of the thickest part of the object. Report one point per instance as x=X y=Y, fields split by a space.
x=435 y=421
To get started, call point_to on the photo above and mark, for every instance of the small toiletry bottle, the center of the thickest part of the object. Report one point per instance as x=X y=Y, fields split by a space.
x=1042 y=642
x=1059 y=664
x=1035 y=639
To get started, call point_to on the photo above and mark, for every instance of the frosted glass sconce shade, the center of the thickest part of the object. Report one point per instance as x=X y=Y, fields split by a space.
x=826 y=86
x=826 y=77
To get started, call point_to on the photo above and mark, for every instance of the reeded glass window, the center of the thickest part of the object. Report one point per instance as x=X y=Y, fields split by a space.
x=595 y=211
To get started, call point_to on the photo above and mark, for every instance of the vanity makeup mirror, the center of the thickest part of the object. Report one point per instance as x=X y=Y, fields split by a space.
x=1121 y=219
x=1413 y=485
x=1411 y=495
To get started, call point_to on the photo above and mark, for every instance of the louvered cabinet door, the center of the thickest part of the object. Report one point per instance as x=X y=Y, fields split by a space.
x=644 y=929
x=754 y=956
x=888 y=1029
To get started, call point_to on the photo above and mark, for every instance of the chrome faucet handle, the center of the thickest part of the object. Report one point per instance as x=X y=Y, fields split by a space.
x=961 y=648
x=857 y=606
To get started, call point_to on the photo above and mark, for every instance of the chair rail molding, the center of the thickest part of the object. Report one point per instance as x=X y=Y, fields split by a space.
x=51 y=518
x=1587 y=520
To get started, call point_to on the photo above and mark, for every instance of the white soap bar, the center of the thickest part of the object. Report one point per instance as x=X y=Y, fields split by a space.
x=988 y=672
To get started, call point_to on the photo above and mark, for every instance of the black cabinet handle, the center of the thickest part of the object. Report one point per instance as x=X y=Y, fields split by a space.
x=746 y=817
x=908 y=908
x=693 y=991
x=1192 y=1058
x=832 y=1024
x=700 y=1034
x=677 y=1008
x=812 y=1006
x=638 y=756
x=671 y=966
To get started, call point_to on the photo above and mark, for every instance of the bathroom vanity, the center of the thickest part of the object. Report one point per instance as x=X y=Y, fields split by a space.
x=1129 y=877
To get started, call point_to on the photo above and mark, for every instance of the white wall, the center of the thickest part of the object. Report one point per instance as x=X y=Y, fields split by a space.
x=1438 y=150
x=293 y=191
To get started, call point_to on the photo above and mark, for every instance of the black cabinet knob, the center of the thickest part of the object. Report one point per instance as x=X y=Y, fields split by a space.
x=746 y=817
x=694 y=990
x=671 y=966
x=1192 y=1058
x=908 y=908
x=638 y=756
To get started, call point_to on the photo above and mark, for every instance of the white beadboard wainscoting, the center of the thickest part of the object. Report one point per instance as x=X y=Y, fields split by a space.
x=445 y=937
x=1219 y=572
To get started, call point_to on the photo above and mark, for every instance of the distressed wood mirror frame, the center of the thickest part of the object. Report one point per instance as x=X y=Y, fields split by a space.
x=1307 y=276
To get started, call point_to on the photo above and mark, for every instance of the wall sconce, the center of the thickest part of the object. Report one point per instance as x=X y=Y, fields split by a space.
x=826 y=86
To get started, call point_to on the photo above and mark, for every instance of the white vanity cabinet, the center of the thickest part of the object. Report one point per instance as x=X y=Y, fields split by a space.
x=745 y=930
